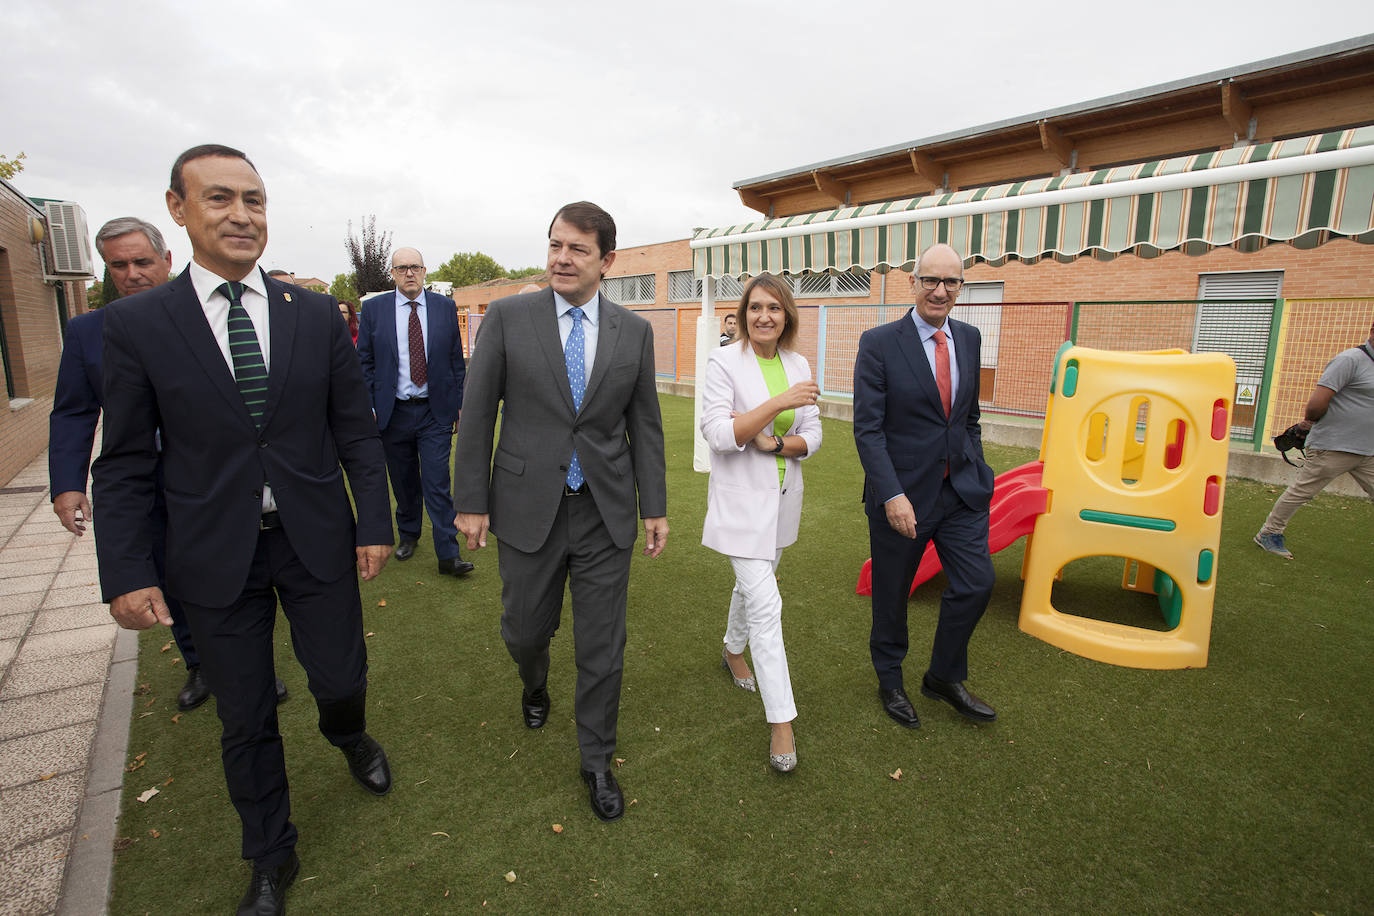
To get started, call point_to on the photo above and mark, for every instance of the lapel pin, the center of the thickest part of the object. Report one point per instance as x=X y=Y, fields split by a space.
x=288 y=296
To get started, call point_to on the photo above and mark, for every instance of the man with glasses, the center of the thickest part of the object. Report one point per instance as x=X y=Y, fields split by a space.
x=916 y=428
x=412 y=356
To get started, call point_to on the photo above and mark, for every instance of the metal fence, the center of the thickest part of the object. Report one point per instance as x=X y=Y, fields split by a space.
x=1279 y=347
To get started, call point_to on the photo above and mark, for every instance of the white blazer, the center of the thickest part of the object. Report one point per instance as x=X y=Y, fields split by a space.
x=747 y=513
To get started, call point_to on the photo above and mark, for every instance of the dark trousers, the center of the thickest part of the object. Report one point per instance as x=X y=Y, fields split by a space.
x=181 y=630
x=578 y=552
x=418 y=451
x=235 y=645
x=961 y=538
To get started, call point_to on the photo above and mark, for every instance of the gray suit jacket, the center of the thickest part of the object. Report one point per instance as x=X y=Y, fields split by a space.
x=518 y=359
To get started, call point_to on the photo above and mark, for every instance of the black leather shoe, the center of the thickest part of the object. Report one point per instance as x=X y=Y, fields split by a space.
x=367 y=763
x=955 y=694
x=194 y=692
x=456 y=566
x=281 y=691
x=266 y=895
x=535 y=708
x=607 y=801
x=405 y=548
x=896 y=705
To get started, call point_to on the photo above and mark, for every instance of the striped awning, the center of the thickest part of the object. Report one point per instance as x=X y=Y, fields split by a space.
x=1303 y=191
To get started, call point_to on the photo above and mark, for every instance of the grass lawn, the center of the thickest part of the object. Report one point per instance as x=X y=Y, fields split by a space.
x=1242 y=787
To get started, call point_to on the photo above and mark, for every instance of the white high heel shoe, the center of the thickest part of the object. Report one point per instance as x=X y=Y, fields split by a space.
x=743 y=683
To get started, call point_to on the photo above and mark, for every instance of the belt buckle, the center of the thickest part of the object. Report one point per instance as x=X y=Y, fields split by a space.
x=569 y=491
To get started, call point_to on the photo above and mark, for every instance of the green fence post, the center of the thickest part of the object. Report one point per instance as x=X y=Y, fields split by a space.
x=1262 y=413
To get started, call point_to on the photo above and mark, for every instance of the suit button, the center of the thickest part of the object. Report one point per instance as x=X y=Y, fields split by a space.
x=262 y=443
x=257 y=494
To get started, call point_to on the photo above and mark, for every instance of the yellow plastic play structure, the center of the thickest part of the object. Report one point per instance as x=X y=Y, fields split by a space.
x=1134 y=449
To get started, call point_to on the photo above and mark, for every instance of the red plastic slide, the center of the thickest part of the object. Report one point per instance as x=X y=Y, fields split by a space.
x=1017 y=500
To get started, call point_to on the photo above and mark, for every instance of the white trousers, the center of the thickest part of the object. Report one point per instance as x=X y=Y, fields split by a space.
x=756 y=621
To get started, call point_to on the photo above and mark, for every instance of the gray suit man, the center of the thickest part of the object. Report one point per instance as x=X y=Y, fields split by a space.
x=579 y=459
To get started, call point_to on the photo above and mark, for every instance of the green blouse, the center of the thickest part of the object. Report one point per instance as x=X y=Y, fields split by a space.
x=775 y=377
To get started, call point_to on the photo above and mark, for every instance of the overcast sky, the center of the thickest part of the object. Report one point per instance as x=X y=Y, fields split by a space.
x=464 y=125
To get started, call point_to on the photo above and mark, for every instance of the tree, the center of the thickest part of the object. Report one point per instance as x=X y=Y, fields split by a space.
x=11 y=167
x=370 y=256
x=524 y=272
x=343 y=289
x=465 y=269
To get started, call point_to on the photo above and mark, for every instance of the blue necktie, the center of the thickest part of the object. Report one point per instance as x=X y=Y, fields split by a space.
x=575 y=358
x=250 y=369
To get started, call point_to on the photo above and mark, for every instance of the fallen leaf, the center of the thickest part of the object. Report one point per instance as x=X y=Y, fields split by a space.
x=510 y=877
x=47 y=776
x=557 y=828
x=442 y=834
x=381 y=603
x=619 y=761
x=634 y=801
x=369 y=635
x=170 y=780
x=150 y=702
x=135 y=765
x=895 y=775
x=176 y=719
x=147 y=795
x=176 y=661
x=154 y=834
x=165 y=647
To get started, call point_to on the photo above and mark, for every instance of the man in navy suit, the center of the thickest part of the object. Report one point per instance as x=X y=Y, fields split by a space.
x=255 y=392
x=917 y=433
x=412 y=357
x=138 y=259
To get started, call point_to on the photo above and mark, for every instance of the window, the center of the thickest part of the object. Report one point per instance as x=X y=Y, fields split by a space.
x=683 y=287
x=1241 y=284
x=636 y=289
x=829 y=285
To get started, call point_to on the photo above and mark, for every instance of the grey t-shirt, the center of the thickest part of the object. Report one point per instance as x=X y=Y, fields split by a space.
x=1348 y=425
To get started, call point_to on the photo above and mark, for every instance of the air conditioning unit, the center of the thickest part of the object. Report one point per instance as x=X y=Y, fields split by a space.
x=71 y=245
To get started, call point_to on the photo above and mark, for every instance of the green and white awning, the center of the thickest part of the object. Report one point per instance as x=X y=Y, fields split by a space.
x=1303 y=191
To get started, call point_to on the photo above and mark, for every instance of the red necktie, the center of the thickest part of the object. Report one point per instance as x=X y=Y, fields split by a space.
x=419 y=369
x=942 y=380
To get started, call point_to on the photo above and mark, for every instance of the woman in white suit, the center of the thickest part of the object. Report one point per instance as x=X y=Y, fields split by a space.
x=759 y=418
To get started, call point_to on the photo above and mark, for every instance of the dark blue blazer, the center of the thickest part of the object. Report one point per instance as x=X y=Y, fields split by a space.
x=75 y=404
x=164 y=370
x=377 y=349
x=902 y=435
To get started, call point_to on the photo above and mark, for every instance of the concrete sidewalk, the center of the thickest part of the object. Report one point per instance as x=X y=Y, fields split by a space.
x=67 y=675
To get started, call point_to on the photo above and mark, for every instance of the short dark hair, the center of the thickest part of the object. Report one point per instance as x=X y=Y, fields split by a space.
x=782 y=291
x=278 y=272
x=178 y=184
x=588 y=217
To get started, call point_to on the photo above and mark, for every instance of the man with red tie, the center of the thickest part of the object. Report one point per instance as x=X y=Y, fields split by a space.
x=919 y=440
x=412 y=356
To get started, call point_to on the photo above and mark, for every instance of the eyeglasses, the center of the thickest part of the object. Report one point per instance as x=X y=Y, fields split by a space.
x=952 y=284
x=419 y=269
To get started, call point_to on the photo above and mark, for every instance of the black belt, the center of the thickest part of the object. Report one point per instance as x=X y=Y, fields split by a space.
x=269 y=521
x=569 y=491
x=413 y=400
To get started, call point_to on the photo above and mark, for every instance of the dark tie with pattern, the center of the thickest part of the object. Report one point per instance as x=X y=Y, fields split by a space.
x=419 y=369
x=250 y=370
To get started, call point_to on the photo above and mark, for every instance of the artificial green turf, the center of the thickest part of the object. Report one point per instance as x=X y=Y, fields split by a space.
x=1243 y=787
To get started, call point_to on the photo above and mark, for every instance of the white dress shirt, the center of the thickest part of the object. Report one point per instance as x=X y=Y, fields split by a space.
x=216 y=308
x=591 y=324
x=405 y=388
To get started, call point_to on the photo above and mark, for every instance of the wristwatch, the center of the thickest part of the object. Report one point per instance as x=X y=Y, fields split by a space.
x=778 y=448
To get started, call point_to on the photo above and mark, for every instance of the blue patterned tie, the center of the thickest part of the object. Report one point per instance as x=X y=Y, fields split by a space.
x=250 y=370
x=575 y=358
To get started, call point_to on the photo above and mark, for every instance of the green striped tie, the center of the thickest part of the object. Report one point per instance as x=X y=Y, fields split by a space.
x=250 y=370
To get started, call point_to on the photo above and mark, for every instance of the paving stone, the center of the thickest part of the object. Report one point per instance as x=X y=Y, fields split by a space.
x=14 y=626
x=66 y=643
x=66 y=597
x=56 y=673
x=43 y=552
x=39 y=809
x=78 y=559
x=75 y=577
x=40 y=712
x=20 y=584
x=7 y=649
x=48 y=565
x=31 y=877
x=35 y=538
x=50 y=620
x=14 y=604
x=29 y=758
